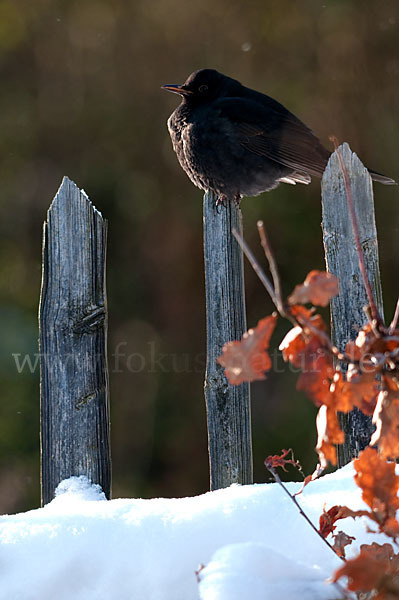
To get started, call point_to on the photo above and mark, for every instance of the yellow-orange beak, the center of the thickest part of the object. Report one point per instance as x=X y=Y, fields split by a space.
x=177 y=89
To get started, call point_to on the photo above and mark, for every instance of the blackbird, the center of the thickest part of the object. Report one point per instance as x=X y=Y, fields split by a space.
x=238 y=142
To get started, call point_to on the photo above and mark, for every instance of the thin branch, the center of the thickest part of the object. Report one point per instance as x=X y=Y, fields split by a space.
x=272 y=265
x=256 y=267
x=295 y=501
x=278 y=302
x=373 y=307
x=394 y=321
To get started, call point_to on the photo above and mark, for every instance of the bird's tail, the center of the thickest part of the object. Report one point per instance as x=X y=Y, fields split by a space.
x=382 y=178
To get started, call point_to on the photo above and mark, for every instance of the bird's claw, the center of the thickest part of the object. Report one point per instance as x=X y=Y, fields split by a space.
x=223 y=199
x=237 y=200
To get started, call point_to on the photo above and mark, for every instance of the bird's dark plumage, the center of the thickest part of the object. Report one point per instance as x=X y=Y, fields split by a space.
x=238 y=142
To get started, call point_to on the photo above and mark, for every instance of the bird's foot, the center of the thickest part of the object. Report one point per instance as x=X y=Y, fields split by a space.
x=221 y=200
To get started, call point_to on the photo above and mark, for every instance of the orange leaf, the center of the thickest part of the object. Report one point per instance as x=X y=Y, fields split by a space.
x=274 y=461
x=327 y=520
x=329 y=434
x=386 y=418
x=307 y=318
x=375 y=568
x=317 y=288
x=315 y=380
x=371 y=342
x=308 y=353
x=247 y=360
x=359 y=389
x=341 y=540
x=293 y=346
x=379 y=484
x=316 y=473
x=353 y=352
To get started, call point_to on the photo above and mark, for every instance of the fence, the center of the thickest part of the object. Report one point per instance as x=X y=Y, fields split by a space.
x=75 y=428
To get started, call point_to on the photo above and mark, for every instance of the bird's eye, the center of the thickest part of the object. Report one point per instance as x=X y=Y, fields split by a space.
x=203 y=88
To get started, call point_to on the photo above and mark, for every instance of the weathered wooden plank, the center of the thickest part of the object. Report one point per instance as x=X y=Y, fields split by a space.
x=75 y=428
x=347 y=314
x=228 y=406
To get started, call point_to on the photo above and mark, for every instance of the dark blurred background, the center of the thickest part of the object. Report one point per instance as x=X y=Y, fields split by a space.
x=80 y=95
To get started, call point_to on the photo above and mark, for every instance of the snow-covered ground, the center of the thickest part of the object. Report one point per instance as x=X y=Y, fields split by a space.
x=252 y=540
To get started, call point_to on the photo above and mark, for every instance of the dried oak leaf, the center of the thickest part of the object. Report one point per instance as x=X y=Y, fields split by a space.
x=329 y=434
x=327 y=525
x=341 y=539
x=304 y=349
x=391 y=343
x=357 y=389
x=386 y=419
x=275 y=461
x=247 y=360
x=379 y=484
x=317 y=372
x=375 y=568
x=318 y=288
x=371 y=343
x=327 y=520
x=307 y=318
x=316 y=473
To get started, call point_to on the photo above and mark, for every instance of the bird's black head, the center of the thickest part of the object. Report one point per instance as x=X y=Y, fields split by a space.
x=204 y=86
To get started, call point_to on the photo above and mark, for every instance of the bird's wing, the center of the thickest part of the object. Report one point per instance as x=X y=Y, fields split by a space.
x=274 y=132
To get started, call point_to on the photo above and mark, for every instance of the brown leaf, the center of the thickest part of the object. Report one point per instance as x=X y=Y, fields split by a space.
x=316 y=473
x=358 y=389
x=317 y=288
x=308 y=353
x=375 y=568
x=379 y=484
x=352 y=351
x=341 y=540
x=293 y=346
x=370 y=342
x=307 y=318
x=317 y=372
x=248 y=360
x=275 y=461
x=365 y=340
x=327 y=520
x=386 y=419
x=329 y=434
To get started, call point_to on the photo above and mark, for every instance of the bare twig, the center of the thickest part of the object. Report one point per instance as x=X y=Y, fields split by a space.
x=272 y=265
x=394 y=321
x=295 y=501
x=373 y=307
x=278 y=301
x=256 y=267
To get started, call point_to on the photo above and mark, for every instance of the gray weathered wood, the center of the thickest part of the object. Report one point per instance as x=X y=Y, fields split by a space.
x=347 y=314
x=228 y=406
x=75 y=428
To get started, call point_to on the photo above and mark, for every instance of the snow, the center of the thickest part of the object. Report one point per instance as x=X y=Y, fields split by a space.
x=251 y=539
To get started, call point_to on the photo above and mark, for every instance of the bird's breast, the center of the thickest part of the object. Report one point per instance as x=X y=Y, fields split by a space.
x=210 y=152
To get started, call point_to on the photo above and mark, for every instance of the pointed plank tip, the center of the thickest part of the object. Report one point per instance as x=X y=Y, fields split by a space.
x=69 y=191
x=352 y=163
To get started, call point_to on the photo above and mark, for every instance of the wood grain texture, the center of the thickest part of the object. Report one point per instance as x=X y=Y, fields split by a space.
x=228 y=406
x=347 y=314
x=75 y=427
